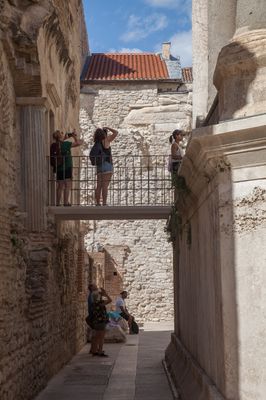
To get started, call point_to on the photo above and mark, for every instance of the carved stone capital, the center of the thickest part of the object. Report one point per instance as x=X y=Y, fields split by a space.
x=240 y=76
x=245 y=53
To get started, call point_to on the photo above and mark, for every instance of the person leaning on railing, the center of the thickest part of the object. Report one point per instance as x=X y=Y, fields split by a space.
x=176 y=151
x=105 y=166
x=61 y=160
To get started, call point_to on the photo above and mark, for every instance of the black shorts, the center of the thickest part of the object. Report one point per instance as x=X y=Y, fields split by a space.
x=63 y=174
x=175 y=166
x=99 y=326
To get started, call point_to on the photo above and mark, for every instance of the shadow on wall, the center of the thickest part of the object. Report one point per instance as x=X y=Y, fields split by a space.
x=113 y=278
x=234 y=77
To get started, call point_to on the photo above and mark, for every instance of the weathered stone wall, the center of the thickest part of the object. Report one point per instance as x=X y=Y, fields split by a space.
x=217 y=349
x=219 y=279
x=145 y=120
x=42 y=293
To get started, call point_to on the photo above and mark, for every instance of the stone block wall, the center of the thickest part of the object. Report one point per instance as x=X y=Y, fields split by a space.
x=145 y=118
x=219 y=277
x=42 y=286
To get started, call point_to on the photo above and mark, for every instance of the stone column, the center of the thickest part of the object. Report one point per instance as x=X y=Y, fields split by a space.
x=33 y=125
x=240 y=71
x=207 y=15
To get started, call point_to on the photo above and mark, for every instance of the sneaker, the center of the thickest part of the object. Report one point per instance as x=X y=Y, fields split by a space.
x=102 y=354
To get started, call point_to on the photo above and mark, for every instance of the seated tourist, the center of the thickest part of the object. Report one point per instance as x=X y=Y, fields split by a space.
x=120 y=307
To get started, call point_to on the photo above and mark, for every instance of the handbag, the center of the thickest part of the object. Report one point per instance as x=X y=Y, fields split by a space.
x=170 y=163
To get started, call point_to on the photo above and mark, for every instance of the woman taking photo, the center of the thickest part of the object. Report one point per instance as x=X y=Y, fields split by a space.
x=99 y=320
x=105 y=163
x=61 y=161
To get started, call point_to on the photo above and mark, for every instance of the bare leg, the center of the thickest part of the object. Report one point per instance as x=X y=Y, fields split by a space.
x=94 y=342
x=98 y=189
x=59 y=191
x=67 y=189
x=106 y=181
x=130 y=318
x=101 y=341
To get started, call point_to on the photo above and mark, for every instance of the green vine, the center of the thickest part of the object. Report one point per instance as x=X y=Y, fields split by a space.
x=179 y=183
x=16 y=241
x=173 y=225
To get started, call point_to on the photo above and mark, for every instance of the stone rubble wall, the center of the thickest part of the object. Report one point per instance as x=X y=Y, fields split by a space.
x=145 y=119
x=42 y=301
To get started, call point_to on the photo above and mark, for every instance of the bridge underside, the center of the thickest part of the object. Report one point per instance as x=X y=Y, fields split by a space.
x=110 y=212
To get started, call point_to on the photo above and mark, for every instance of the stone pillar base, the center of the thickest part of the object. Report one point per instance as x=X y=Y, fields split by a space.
x=190 y=380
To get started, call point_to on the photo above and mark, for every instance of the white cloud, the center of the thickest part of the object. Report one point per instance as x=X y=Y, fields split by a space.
x=163 y=3
x=181 y=45
x=139 y=28
x=183 y=6
x=125 y=50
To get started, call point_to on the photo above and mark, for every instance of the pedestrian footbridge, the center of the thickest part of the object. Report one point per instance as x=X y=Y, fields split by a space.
x=110 y=212
x=140 y=188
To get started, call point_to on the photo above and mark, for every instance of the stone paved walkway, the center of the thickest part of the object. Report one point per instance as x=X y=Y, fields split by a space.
x=133 y=371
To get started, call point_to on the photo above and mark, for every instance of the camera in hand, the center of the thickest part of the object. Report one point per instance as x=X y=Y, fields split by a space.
x=69 y=134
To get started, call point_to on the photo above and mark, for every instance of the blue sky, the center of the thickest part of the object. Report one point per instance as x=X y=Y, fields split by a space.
x=139 y=25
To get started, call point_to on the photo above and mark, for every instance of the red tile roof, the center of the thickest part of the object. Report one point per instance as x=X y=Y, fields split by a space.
x=187 y=75
x=119 y=66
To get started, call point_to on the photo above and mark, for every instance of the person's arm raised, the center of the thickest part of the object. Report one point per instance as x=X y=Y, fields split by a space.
x=106 y=295
x=113 y=135
x=77 y=142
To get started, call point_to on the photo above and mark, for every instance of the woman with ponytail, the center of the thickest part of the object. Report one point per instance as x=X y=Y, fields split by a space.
x=176 y=150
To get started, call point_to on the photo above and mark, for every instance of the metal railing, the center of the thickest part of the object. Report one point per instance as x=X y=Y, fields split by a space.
x=136 y=181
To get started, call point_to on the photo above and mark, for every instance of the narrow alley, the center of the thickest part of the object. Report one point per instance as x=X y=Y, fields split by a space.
x=133 y=371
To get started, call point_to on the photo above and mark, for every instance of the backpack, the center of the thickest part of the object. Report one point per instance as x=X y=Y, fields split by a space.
x=96 y=154
x=56 y=158
x=99 y=313
x=134 y=327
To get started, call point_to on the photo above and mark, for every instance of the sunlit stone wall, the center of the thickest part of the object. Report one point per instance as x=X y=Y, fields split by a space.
x=145 y=120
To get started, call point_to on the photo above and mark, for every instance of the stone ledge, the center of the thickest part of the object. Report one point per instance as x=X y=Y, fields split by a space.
x=222 y=148
x=191 y=381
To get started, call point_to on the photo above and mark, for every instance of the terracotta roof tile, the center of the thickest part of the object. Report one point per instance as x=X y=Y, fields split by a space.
x=119 y=66
x=187 y=75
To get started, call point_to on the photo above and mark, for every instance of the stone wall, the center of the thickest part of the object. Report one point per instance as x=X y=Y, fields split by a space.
x=42 y=290
x=217 y=349
x=145 y=119
x=219 y=279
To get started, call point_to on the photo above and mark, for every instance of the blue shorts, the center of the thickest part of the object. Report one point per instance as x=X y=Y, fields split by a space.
x=105 y=167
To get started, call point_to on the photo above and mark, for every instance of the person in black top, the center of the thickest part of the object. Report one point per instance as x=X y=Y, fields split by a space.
x=105 y=167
